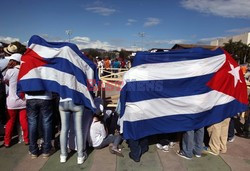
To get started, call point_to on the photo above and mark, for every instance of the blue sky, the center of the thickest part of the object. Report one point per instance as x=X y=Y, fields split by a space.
x=116 y=24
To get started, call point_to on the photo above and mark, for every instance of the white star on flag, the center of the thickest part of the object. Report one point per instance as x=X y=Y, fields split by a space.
x=235 y=73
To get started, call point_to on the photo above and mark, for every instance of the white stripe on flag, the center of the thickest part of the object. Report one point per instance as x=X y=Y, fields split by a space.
x=64 y=79
x=175 y=70
x=154 y=108
x=66 y=53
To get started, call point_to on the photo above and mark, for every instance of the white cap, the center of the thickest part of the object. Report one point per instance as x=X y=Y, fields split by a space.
x=15 y=56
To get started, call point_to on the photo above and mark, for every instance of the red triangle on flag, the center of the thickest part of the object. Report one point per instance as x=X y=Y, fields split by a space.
x=229 y=80
x=29 y=61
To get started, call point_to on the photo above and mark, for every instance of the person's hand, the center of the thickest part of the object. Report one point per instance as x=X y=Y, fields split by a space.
x=6 y=82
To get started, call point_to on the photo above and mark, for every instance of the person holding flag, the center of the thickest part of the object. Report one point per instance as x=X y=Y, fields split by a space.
x=180 y=90
x=59 y=67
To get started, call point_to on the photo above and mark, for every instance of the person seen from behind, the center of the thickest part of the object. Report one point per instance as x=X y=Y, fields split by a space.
x=218 y=134
x=68 y=108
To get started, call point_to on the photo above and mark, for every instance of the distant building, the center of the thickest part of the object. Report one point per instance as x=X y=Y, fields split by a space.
x=245 y=38
x=188 y=46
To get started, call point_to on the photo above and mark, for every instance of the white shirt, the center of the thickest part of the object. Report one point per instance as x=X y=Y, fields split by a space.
x=46 y=96
x=3 y=64
x=65 y=100
x=100 y=66
x=97 y=133
x=13 y=101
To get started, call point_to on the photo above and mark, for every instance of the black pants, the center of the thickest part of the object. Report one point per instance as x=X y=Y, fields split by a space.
x=137 y=148
x=3 y=112
x=246 y=128
x=231 y=128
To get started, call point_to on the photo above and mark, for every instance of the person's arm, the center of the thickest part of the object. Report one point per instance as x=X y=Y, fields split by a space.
x=6 y=78
x=103 y=130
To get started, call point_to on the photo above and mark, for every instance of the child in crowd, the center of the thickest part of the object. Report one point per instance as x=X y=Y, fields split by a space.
x=99 y=138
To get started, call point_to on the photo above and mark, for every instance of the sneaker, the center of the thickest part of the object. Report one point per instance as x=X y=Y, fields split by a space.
x=63 y=159
x=159 y=146
x=210 y=152
x=80 y=160
x=197 y=155
x=180 y=153
x=231 y=139
x=165 y=148
x=46 y=155
x=34 y=156
x=6 y=145
x=171 y=144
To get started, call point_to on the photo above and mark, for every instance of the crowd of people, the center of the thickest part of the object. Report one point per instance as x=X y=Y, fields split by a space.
x=42 y=114
x=107 y=66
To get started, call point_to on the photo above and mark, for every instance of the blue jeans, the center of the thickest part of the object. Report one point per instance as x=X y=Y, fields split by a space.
x=192 y=142
x=115 y=139
x=66 y=109
x=36 y=107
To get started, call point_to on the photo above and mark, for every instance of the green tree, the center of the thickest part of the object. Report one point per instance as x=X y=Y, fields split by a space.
x=240 y=51
x=92 y=52
x=124 y=54
x=110 y=54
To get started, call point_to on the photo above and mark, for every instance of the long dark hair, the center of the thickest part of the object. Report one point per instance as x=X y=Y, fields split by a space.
x=100 y=118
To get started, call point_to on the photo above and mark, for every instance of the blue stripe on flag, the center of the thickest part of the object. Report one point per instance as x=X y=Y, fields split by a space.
x=178 y=123
x=53 y=86
x=64 y=65
x=174 y=56
x=152 y=89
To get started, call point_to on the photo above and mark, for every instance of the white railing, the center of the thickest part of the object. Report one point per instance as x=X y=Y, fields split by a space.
x=111 y=79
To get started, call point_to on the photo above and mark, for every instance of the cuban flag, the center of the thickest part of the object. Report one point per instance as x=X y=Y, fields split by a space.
x=180 y=90
x=57 y=67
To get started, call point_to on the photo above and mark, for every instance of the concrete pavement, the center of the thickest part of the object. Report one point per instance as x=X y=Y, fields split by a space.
x=237 y=158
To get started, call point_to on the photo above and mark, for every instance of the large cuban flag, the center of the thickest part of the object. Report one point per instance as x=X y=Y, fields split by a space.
x=180 y=90
x=57 y=67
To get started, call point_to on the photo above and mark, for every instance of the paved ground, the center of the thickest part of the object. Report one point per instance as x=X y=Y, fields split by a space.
x=237 y=158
